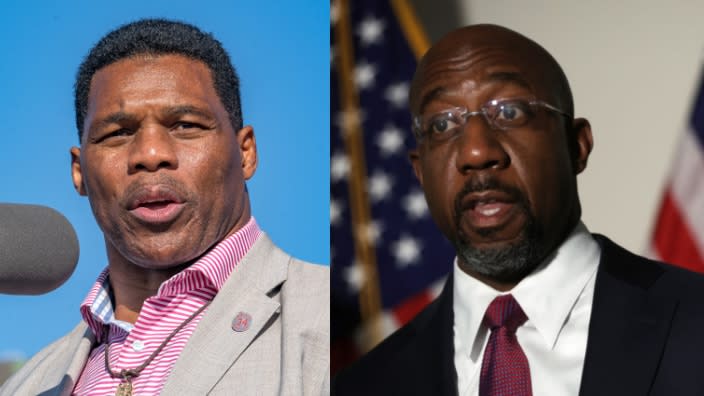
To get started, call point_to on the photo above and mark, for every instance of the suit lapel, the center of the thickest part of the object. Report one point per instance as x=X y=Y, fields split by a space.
x=628 y=326
x=433 y=359
x=445 y=348
x=215 y=346
x=62 y=378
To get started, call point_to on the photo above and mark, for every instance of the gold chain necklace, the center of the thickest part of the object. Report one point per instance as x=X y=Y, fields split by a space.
x=125 y=387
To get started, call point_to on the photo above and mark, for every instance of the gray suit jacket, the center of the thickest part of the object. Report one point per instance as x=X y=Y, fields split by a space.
x=285 y=351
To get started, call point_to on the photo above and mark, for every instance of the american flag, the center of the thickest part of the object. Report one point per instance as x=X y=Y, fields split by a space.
x=678 y=237
x=388 y=258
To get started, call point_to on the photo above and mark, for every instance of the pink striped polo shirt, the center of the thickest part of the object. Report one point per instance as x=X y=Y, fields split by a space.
x=177 y=299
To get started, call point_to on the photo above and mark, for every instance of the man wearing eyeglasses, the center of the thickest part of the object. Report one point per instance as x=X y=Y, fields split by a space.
x=536 y=304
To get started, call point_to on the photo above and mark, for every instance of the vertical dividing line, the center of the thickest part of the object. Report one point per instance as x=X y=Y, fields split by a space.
x=353 y=136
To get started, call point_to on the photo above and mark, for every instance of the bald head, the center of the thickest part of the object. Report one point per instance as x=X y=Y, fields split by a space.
x=498 y=150
x=491 y=48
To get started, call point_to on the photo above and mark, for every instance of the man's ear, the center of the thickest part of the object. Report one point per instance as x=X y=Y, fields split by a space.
x=248 y=150
x=414 y=157
x=584 y=143
x=76 y=173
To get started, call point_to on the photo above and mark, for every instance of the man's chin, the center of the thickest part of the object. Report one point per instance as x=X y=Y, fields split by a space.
x=491 y=240
x=496 y=235
x=503 y=260
x=159 y=260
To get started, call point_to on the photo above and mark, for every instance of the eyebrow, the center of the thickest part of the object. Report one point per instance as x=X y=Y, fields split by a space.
x=430 y=96
x=503 y=77
x=112 y=118
x=119 y=117
x=186 y=110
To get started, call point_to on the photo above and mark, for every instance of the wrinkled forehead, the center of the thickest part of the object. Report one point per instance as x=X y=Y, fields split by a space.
x=471 y=59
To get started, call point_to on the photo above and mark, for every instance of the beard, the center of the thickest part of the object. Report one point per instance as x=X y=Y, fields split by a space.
x=508 y=263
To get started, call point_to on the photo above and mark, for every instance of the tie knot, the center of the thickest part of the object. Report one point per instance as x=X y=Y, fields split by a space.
x=504 y=311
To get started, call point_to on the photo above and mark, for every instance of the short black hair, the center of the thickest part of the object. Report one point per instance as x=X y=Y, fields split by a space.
x=160 y=37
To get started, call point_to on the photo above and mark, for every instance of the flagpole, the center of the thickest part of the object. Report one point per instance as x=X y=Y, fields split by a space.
x=353 y=136
x=411 y=26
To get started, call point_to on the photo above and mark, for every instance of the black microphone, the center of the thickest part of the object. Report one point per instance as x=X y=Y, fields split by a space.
x=38 y=249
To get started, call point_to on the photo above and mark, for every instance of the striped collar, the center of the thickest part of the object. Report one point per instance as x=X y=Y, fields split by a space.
x=206 y=275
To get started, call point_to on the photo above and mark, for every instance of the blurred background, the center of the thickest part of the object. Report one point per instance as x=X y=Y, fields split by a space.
x=280 y=50
x=634 y=68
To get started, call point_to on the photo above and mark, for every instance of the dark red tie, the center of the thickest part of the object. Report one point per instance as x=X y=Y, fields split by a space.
x=505 y=368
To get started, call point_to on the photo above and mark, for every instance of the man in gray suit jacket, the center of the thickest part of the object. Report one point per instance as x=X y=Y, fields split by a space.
x=196 y=299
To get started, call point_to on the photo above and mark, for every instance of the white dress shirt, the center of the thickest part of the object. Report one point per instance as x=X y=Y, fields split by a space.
x=556 y=298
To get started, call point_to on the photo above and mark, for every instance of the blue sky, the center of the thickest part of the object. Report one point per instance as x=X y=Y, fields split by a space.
x=281 y=52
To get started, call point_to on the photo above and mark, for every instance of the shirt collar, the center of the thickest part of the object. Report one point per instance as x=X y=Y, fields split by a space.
x=564 y=274
x=209 y=273
x=97 y=309
x=213 y=269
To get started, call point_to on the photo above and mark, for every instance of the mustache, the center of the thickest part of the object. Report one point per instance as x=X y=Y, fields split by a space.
x=483 y=182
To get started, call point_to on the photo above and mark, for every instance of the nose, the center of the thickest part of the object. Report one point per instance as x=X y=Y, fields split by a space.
x=151 y=150
x=479 y=147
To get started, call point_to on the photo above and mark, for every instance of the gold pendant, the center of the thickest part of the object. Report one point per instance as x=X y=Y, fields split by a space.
x=124 y=389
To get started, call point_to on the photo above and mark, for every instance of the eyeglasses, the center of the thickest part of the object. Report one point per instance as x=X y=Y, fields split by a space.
x=500 y=114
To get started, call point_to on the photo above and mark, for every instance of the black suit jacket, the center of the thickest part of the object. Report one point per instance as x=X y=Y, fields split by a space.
x=646 y=337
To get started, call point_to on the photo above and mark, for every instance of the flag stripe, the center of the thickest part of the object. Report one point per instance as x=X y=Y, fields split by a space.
x=687 y=188
x=678 y=235
x=673 y=240
x=408 y=309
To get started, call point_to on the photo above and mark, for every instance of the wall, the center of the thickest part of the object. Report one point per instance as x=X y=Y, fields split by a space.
x=634 y=67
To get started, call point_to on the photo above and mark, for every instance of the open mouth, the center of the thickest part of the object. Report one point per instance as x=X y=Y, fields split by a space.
x=487 y=210
x=490 y=213
x=155 y=205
